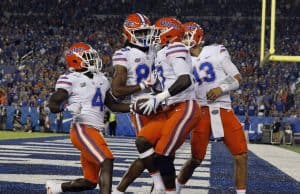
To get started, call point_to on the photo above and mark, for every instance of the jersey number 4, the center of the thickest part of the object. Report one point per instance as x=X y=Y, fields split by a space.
x=97 y=99
x=208 y=69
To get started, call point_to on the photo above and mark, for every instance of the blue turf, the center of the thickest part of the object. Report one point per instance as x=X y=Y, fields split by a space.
x=263 y=177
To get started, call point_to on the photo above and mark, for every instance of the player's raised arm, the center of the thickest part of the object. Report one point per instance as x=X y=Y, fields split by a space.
x=57 y=100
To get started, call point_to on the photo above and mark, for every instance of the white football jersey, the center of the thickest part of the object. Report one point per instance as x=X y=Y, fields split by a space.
x=215 y=63
x=89 y=93
x=169 y=71
x=139 y=66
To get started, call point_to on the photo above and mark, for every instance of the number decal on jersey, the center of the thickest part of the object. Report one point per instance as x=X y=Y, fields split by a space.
x=160 y=72
x=97 y=99
x=142 y=72
x=209 y=70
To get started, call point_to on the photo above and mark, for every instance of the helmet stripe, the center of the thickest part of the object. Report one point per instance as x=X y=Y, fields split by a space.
x=142 y=18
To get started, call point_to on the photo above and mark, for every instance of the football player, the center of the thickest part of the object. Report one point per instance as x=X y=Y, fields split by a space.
x=133 y=76
x=85 y=93
x=173 y=112
x=216 y=76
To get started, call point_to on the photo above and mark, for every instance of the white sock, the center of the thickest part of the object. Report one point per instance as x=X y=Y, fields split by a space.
x=116 y=191
x=240 y=191
x=178 y=186
x=54 y=186
x=157 y=180
x=171 y=192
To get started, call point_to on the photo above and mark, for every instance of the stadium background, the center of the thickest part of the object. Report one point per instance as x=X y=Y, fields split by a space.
x=35 y=34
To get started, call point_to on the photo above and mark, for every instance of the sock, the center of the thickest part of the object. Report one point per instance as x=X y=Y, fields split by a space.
x=178 y=186
x=171 y=192
x=240 y=191
x=116 y=191
x=57 y=188
x=54 y=187
x=157 y=180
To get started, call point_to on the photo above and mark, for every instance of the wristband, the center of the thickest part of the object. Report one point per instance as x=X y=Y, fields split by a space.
x=142 y=85
x=229 y=84
x=163 y=95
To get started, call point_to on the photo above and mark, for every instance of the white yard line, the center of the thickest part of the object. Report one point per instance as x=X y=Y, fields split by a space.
x=285 y=160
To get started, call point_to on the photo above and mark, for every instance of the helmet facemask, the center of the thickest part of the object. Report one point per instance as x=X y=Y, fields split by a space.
x=141 y=37
x=159 y=38
x=193 y=35
x=188 y=39
x=90 y=61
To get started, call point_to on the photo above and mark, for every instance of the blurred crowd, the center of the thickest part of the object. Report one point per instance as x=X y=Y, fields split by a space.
x=66 y=8
x=35 y=34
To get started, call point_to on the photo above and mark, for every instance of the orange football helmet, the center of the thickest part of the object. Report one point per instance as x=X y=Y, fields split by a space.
x=167 y=30
x=137 y=29
x=193 y=34
x=81 y=56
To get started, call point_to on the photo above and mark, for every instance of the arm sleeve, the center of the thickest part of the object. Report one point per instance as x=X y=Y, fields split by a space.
x=177 y=55
x=120 y=58
x=180 y=66
x=227 y=65
x=64 y=82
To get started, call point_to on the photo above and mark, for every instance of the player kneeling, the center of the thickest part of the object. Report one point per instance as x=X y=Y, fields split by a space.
x=84 y=91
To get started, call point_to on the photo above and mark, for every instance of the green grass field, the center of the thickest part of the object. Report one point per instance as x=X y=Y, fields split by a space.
x=17 y=135
x=295 y=148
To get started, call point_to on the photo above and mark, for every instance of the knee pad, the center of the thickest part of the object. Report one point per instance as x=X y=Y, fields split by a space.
x=142 y=144
x=78 y=185
x=165 y=165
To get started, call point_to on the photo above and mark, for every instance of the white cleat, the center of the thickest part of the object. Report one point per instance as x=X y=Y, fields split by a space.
x=53 y=187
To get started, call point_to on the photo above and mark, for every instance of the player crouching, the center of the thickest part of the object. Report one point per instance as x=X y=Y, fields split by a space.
x=86 y=91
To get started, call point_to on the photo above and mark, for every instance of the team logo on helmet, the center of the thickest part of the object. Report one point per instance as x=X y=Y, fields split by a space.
x=74 y=50
x=169 y=24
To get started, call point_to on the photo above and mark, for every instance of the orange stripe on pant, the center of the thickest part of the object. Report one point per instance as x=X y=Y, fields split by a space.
x=93 y=149
x=234 y=137
x=168 y=130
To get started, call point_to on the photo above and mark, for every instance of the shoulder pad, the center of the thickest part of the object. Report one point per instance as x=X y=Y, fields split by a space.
x=125 y=49
x=176 y=48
